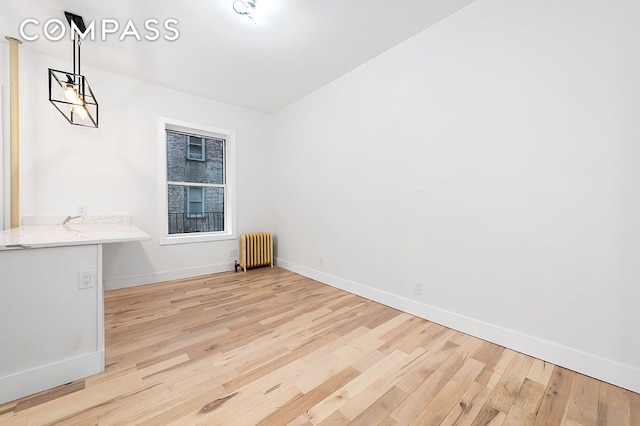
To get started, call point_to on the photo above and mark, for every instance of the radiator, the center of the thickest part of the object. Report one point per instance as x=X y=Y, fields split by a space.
x=256 y=250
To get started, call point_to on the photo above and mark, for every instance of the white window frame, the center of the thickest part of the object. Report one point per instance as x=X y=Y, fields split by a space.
x=200 y=157
x=230 y=211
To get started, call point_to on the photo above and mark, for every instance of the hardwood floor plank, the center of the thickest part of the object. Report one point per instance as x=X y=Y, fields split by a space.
x=300 y=405
x=430 y=361
x=272 y=347
x=379 y=408
x=529 y=396
x=409 y=409
x=509 y=384
x=335 y=419
x=614 y=396
x=273 y=365
x=488 y=416
x=554 y=403
x=583 y=402
x=300 y=421
x=131 y=408
x=602 y=414
x=541 y=372
x=519 y=417
x=634 y=408
x=42 y=397
x=179 y=412
x=336 y=400
x=616 y=416
x=487 y=352
x=358 y=404
x=468 y=407
x=246 y=407
x=426 y=418
x=495 y=368
x=455 y=388
x=77 y=403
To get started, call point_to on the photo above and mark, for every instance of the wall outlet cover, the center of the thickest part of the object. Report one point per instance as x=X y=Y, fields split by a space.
x=86 y=279
x=417 y=288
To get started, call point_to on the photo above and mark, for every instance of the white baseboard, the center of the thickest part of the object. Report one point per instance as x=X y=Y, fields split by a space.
x=607 y=370
x=114 y=283
x=49 y=376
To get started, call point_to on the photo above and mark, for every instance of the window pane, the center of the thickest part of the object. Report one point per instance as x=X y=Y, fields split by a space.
x=195 y=194
x=189 y=212
x=195 y=152
x=195 y=148
x=195 y=141
x=181 y=169
x=176 y=156
x=194 y=201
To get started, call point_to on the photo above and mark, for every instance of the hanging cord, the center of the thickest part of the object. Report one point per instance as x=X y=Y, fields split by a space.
x=73 y=46
x=78 y=71
x=79 y=62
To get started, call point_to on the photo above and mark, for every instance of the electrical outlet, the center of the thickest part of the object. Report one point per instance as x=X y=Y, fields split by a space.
x=85 y=279
x=233 y=253
x=321 y=262
x=82 y=210
x=417 y=288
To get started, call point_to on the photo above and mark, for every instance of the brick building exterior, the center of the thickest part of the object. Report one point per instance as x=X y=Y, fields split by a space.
x=195 y=160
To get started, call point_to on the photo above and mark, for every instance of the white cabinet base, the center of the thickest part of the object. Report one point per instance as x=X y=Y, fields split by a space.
x=51 y=331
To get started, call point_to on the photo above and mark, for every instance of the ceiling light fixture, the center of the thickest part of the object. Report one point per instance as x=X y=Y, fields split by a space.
x=245 y=7
x=70 y=92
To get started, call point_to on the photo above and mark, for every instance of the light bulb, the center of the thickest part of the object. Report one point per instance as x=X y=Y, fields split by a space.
x=80 y=110
x=70 y=93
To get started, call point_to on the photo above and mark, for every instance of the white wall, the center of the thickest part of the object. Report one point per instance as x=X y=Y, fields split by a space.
x=114 y=169
x=495 y=159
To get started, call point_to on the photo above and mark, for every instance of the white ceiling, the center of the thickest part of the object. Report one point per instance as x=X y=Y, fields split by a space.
x=295 y=47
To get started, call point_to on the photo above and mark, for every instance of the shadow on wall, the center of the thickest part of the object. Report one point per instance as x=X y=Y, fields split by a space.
x=118 y=256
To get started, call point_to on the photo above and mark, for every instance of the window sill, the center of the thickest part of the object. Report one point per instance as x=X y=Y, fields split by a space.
x=197 y=238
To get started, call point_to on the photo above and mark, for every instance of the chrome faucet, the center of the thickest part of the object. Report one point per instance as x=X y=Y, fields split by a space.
x=69 y=219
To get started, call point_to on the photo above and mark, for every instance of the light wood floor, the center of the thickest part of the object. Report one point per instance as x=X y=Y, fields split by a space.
x=271 y=347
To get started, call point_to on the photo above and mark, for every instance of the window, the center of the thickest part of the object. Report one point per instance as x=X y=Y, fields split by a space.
x=195 y=148
x=195 y=204
x=198 y=196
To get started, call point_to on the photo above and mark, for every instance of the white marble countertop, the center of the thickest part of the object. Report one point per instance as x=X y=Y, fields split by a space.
x=49 y=232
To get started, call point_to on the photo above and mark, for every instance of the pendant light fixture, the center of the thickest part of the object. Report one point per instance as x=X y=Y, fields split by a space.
x=70 y=92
